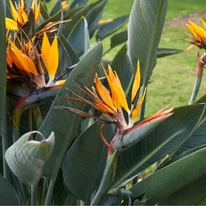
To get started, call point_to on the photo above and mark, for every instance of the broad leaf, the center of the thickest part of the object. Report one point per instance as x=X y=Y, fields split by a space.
x=84 y=162
x=56 y=7
x=79 y=37
x=67 y=54
x=144 y=30
x=165 y=138
x=106 y=181
x=198 y=137
x=76 y=15
x=77 y=3
x=107 y=29
x=94 y=15
x=65 y=124
x=118 y=39
x=8 y=195
x=44 y=11
x=3 y=106
x=173 y=178
x=192 y=194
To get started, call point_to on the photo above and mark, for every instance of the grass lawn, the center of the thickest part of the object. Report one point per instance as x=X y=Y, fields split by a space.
x=174 y=76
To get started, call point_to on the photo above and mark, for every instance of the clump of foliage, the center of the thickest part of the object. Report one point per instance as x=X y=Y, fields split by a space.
x=73 y=125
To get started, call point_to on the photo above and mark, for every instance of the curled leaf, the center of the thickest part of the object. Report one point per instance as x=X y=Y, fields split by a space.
x=26 y=158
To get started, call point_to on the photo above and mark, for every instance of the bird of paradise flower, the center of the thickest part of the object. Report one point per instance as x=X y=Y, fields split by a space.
x=20 y=15
x=25 y=63
x=197 y=38
x=112 y=102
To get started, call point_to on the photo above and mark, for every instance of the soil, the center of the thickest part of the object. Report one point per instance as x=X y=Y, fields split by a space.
x=181 y=21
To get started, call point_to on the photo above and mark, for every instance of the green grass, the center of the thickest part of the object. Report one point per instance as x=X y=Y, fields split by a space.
x=173 y=77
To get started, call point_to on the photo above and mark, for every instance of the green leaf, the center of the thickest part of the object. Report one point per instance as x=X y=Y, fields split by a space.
x=44 y=11
x=79 y=37
x=192 y=194
x=65 y=124
x=118 y=39
x=144 y=30
x=76 y=15
x=94 y=15
x=8 y=195
x=107 y=178
x=163 y=52
x=77 y=3
x=197 y=138
x=3 y=71
x=57 y=7
x=3 y=86
x=165 y=138
x=26 y=158
x=173 y=178
x=67 y=54
x=109 y=28
x=89 y=154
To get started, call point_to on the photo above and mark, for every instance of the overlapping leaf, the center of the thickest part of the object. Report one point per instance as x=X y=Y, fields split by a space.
x=165 y=138
x=65 y=124
x=173 y=178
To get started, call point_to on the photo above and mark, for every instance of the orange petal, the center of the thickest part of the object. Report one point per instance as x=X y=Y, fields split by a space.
x=37 y=13
x=11 y=24
x=45 y=49
x=32 y=5
x=53 y=59
x=118 y=94
x=160 y=113
x=104 y=93
x=8 y=58
x=203 y=23
x=60 y=82
x=13 y=10
x=136 y=83
x=22 y=4
x=22 y=61
x=22 y=16
x=198 y=32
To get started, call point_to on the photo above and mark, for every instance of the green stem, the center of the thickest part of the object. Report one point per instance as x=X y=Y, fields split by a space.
x=37 y=116
x=34 y=194
x=49 y=192
x=45 y=186
x=195 y=89
x=5 y=166
x=108 y=176
x=30 y=120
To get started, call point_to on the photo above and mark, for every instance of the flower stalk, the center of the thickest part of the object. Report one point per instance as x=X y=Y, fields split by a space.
x=112 y=103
